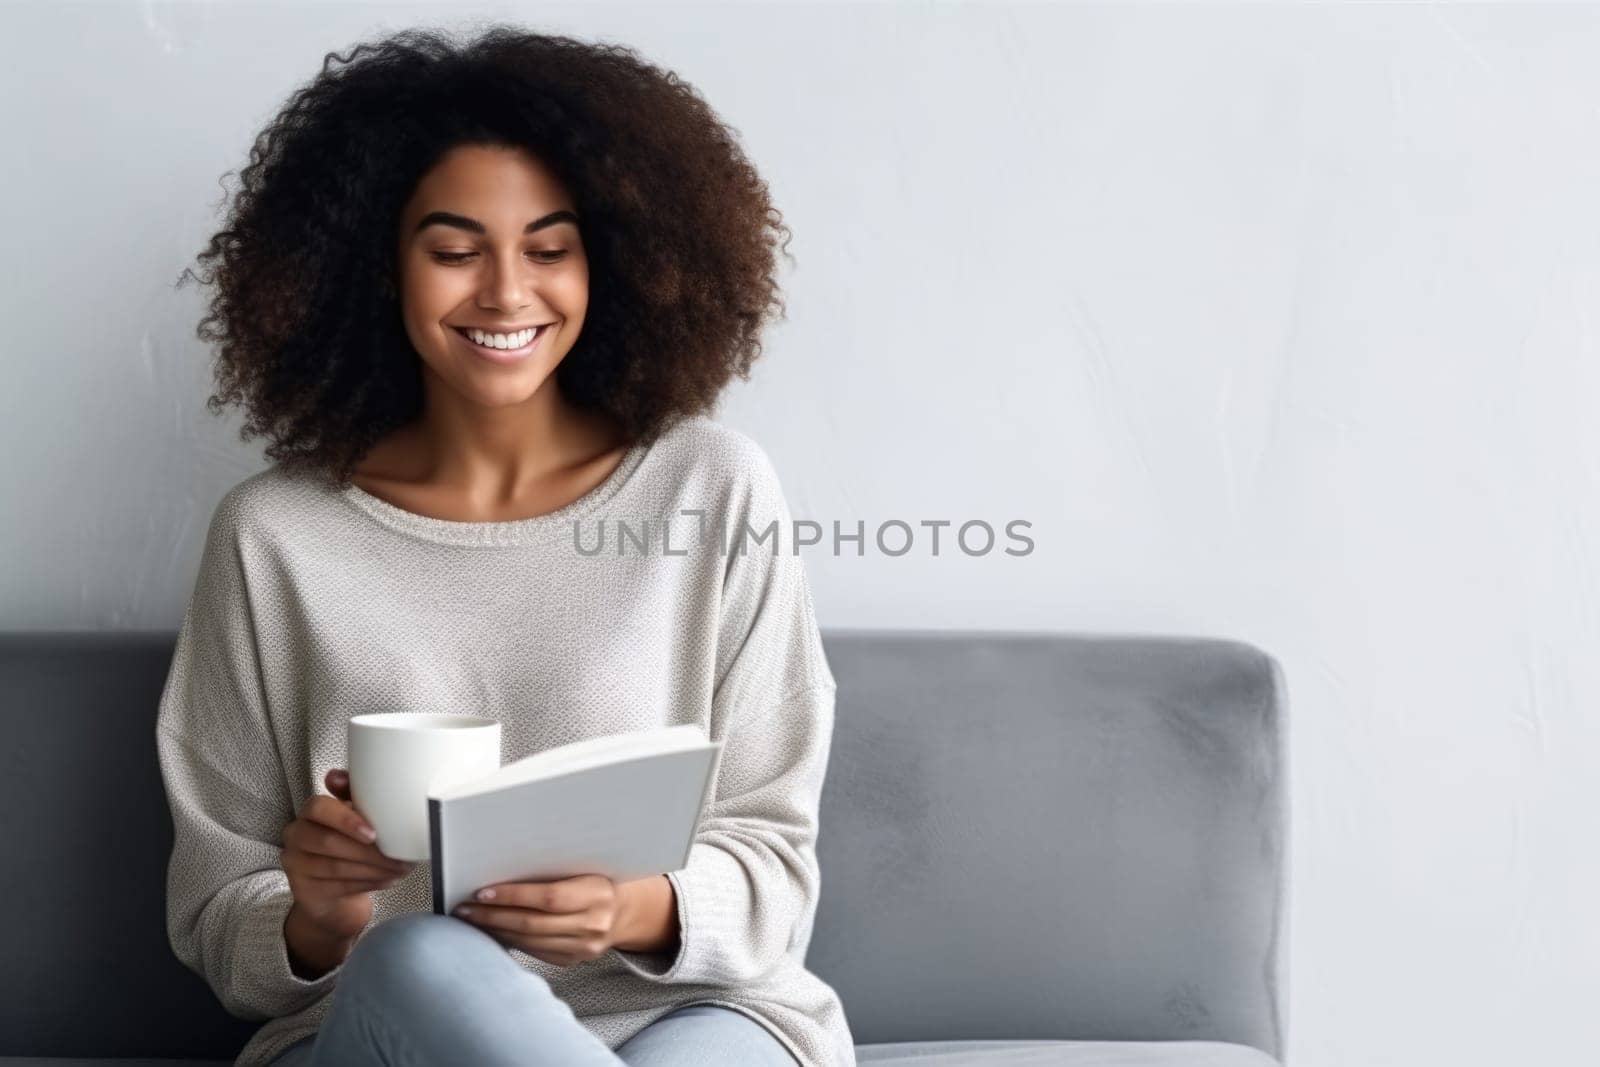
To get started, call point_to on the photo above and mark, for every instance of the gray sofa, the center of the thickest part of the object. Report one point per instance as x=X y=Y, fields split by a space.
x=1035 y=848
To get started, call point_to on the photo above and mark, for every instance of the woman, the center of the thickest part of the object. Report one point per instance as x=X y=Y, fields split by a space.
x=481 y=297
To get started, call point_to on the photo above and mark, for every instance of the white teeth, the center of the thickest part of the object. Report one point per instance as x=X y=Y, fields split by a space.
x=502 y=340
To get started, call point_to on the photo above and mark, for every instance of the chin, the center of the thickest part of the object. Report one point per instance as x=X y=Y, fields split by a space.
x=517 y=388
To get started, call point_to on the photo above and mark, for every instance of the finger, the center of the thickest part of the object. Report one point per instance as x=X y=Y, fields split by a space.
x=542 y=896
x=518 y=920
x=348 y=887
x=361 y=883
x=318 y=840
x=338 y=780
x=319 y=837
x=309 y=842
x=320 y=866
x=340 y=815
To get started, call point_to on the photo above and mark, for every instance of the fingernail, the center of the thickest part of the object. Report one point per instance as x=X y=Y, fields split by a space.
x=462 y=909
x=369 y=833
x=486 y=894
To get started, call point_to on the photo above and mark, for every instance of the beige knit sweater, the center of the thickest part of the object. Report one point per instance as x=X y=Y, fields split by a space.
x=314 y=604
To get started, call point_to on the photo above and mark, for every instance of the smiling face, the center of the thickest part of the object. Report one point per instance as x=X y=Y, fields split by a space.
x=489 y=242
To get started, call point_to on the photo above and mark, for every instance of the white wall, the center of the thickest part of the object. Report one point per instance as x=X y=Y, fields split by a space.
x=1275 y=320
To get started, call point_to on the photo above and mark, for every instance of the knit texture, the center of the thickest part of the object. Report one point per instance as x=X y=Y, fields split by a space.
x=315 y=603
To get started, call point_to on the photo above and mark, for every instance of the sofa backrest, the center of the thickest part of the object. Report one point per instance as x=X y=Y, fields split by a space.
x=1022 y=836
x=1029 y=835
x=89 y=971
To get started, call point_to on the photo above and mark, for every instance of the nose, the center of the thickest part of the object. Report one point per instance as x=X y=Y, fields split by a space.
x=509 y=284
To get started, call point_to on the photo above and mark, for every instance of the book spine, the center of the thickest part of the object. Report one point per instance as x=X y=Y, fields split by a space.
x=435 y=854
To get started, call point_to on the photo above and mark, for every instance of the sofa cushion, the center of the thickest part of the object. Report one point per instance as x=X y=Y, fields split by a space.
x=1064 y=1054
x=916 y=1054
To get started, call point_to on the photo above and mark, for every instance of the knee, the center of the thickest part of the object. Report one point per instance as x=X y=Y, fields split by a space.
x=415 y=951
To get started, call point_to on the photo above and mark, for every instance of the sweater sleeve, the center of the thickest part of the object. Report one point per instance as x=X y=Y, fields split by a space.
x=748 y=894
x=227 y=892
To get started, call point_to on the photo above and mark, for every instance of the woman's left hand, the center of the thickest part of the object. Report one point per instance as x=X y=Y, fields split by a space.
x=562 y=922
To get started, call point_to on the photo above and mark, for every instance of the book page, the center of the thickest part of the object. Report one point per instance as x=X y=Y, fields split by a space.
x=579 y=755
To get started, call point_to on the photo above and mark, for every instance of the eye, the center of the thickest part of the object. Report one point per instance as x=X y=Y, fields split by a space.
x=455 y=258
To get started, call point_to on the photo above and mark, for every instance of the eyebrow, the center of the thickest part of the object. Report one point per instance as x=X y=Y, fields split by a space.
x=461 y=222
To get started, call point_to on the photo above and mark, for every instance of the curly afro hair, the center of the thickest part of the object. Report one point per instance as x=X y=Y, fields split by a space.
x=678 y=227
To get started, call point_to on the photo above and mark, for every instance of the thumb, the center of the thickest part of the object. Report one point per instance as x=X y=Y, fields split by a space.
x=338 y=780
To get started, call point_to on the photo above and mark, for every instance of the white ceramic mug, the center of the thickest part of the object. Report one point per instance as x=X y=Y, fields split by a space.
x=398 y=758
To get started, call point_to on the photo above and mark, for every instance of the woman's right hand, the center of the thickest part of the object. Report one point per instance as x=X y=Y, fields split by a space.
x=334 y=870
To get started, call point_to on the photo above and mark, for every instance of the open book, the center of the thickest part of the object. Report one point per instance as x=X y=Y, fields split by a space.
x=624 y=805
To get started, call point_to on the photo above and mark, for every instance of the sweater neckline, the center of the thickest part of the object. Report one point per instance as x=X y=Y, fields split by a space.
x=499 y=533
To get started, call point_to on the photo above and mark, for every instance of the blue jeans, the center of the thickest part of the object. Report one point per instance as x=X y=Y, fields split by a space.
x=422 y=989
